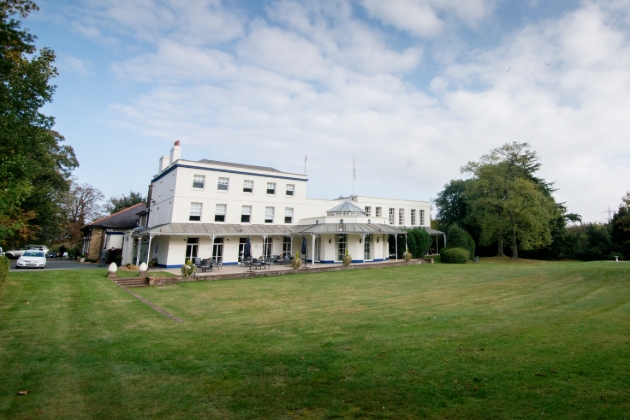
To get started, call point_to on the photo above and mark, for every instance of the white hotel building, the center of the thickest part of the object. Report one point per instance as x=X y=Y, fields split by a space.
x=208 y=209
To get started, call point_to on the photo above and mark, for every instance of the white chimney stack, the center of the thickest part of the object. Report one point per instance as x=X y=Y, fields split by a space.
x=164 y=162
x=176 y=152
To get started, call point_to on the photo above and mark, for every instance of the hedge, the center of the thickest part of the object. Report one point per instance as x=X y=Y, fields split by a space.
x=457 y=237
x=4 y=268
x=454 y=255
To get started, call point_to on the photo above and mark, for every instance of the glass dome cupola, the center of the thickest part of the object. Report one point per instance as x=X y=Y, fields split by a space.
x=346 y=209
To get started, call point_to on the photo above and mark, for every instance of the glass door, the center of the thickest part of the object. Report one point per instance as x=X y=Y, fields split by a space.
x=342 y=242
x=217 y=249
x=192 y=245
x=367 y=248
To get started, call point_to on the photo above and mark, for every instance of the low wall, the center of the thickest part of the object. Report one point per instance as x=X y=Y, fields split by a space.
x=158 y=281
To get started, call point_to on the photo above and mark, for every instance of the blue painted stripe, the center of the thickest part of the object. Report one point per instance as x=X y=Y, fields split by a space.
x=357 y=261
x=178 y=165
x=327 y=262
x=114 y=233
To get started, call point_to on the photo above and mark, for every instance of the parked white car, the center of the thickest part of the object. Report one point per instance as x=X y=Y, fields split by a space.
x=16 y=253
x=32 y=259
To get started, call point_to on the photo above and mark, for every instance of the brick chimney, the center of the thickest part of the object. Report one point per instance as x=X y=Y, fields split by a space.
x=176 y=153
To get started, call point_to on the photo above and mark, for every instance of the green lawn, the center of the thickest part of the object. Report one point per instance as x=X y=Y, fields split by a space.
x=496 y=339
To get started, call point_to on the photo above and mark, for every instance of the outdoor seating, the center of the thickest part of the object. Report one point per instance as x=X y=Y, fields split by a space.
x=218 y=262
x=256 y=263
x=269 y=262
x=205 y=265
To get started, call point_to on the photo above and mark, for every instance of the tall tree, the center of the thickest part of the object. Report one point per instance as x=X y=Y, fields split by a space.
x=508 y=202
x=116 y=204
x=620 y=228
x=81 y=206
x=34 y=166
x=451 y=204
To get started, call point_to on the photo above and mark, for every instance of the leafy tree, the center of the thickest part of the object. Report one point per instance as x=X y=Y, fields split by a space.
x=34 y=166
x=117 y=204
x=592 y=241
x=418 y=242
x=81 y=206
x=620 y=228
x=451 y=204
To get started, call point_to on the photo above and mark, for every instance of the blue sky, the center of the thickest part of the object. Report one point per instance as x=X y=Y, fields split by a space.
x=413 y=89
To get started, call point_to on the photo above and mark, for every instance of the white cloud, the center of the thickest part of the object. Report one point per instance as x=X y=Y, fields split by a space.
x=427 y=18
x=315 y=76
x=70 y=64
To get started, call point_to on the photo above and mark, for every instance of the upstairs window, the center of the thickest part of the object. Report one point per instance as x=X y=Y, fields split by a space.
x=248 y=186
x=392 y=212
x=379 y=212
x=199 y=181
x=290 y=189
x=246 y=214
x=271 y=187
x=219 y=213
x=413 y=217
x=195 y=212
x=269 y=213
x=401 y=217
x=421 y=217
x=288 y=215
x=368 y=210
x=223 y=184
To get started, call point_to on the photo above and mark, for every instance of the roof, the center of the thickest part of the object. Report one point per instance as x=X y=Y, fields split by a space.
x=239 y=165
x=432 y=231
x=347 y=206
x=220 y=229
x=360 y=228
x=125 y=219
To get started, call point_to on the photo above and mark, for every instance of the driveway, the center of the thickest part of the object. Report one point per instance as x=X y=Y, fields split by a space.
x=57 y=264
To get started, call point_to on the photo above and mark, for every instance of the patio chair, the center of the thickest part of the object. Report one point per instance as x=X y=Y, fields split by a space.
x=269 y=262
x=218 y=262
x=197 y=262
x=206 y=265
x=255 y=263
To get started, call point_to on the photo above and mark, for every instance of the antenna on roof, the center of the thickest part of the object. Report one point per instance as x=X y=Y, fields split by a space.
x=305 y=154
x=354 y=177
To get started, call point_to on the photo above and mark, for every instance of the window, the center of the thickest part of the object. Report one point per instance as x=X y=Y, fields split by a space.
x=248 y=186
x=217 y=248
x=223 y=184
x=246 y=214
x=192 y=245
x=241 y=248
x=290 y=189
x=421 y=217
x=341 y=242
x=288 y=215
x=367 y=249
x=379 y=212
x=286 y=246
x=271 y=187
x=219 y=213
x=269 y=212
x=401 y=217
x=199 y=181
x=391 y=216
x=368 y=210
x=195 y=212
x=413 y=217
x=267 y=247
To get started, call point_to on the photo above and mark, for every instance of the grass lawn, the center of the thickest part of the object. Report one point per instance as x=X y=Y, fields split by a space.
x=498 y=339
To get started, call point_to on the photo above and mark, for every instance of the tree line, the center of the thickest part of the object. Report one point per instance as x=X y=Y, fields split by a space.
x=40 y=201
x=509 y=210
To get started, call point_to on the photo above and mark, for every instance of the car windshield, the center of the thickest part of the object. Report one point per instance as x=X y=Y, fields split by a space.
x=33 y=254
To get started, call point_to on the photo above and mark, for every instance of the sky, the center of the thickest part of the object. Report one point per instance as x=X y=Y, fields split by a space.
x=410 y=89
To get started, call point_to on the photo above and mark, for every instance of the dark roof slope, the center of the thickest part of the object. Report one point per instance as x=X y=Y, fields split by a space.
x=239 y=165
x=124 y=219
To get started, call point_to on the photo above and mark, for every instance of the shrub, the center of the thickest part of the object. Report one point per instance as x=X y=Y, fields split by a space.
x=188 y=269
x=347 y=259
x=457 y=237
x=407 y=256
x=4 y=268
x=454 y=255
x=418 y=241
x=296 y=262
